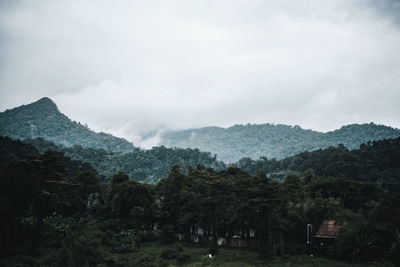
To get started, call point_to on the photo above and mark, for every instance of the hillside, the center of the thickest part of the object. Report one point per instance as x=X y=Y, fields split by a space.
x=43 y=119
x=272 y=141
x=377 y=161
x=141 y=165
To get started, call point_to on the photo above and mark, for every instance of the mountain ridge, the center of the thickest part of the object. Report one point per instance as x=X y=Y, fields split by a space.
x=42 y=118
x=272 y=140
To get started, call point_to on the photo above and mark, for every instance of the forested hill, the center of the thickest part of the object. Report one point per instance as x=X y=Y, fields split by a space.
x=272 y=141
x=43 y=119
x=141 y=165
x=377 y=161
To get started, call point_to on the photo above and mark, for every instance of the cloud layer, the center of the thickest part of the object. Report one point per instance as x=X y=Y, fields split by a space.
x=127 y=67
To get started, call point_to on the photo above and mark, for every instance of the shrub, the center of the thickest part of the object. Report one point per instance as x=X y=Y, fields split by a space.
x=183 y=258
x=206 y=261
x=172 y=253
x=169 y=254
x=178 y=247
x=125 y=242
x=146 y=261
x=84 y=248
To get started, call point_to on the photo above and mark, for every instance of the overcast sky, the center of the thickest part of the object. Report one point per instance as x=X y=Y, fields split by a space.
x=127 y=67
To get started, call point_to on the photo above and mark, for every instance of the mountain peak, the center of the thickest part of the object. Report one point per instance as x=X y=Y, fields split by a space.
x=43 y=119
x=45 y=100
x=45 y=103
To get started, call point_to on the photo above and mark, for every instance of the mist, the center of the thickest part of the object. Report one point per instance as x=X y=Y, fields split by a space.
x=132 y=67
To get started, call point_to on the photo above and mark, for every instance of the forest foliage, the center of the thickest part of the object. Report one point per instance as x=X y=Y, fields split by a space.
x=376 y=161
x=52 y=203
x=141 y=165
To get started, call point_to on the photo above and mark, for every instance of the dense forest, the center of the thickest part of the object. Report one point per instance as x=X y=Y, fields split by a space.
x=55 y=212
x=43 y=119
x=376 y=161
x=272 y=141
x=141 y=165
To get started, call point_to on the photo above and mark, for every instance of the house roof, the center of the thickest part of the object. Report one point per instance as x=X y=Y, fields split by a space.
x=328 y=229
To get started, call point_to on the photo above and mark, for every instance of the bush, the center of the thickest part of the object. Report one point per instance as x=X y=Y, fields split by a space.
x=172 y=253
x=206 y=261
x=84 y=248
x=362 y=242
x=169 y=254
x=146 y=261
x=124 y=242
x=178 y=247
x=183 y=258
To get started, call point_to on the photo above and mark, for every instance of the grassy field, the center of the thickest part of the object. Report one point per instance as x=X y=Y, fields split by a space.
x=230 y=257
x=154 y=254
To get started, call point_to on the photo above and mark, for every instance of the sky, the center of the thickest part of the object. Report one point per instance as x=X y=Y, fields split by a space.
x=129 y=67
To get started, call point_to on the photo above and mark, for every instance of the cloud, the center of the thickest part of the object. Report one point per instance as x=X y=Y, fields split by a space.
x=128 y=67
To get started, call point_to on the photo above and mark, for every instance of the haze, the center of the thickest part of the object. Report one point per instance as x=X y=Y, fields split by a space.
x=129 y=67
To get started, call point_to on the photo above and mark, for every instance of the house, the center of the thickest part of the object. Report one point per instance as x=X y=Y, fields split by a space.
x=324 y=237
x=328 y=230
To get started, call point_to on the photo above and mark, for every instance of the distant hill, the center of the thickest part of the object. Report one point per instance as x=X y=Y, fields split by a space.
x=377 y=161
x=141 y=165
x=272 y=141
x=43 y=119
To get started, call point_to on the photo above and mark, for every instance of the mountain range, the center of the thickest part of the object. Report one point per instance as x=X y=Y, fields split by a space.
x=43 y=126
x=272 y=140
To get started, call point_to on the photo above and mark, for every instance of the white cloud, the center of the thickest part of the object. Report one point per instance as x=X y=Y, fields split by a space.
x=127 y=67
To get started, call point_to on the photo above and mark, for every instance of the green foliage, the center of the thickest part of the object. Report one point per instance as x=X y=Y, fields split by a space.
x=134 y=202
x=119 y=178
x=141 y=165
x=124 y=242
x=362 y=240
x=170 y=253
x=53 y=205
x=183 y=258
x=58 y=227
x=33 y=187
x=376 y=162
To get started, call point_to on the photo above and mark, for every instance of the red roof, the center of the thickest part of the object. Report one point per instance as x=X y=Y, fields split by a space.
x=328 y=229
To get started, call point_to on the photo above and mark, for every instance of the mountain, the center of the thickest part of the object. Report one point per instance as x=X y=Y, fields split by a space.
x=272 y=141
x=43 y=126
x=43 y=119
